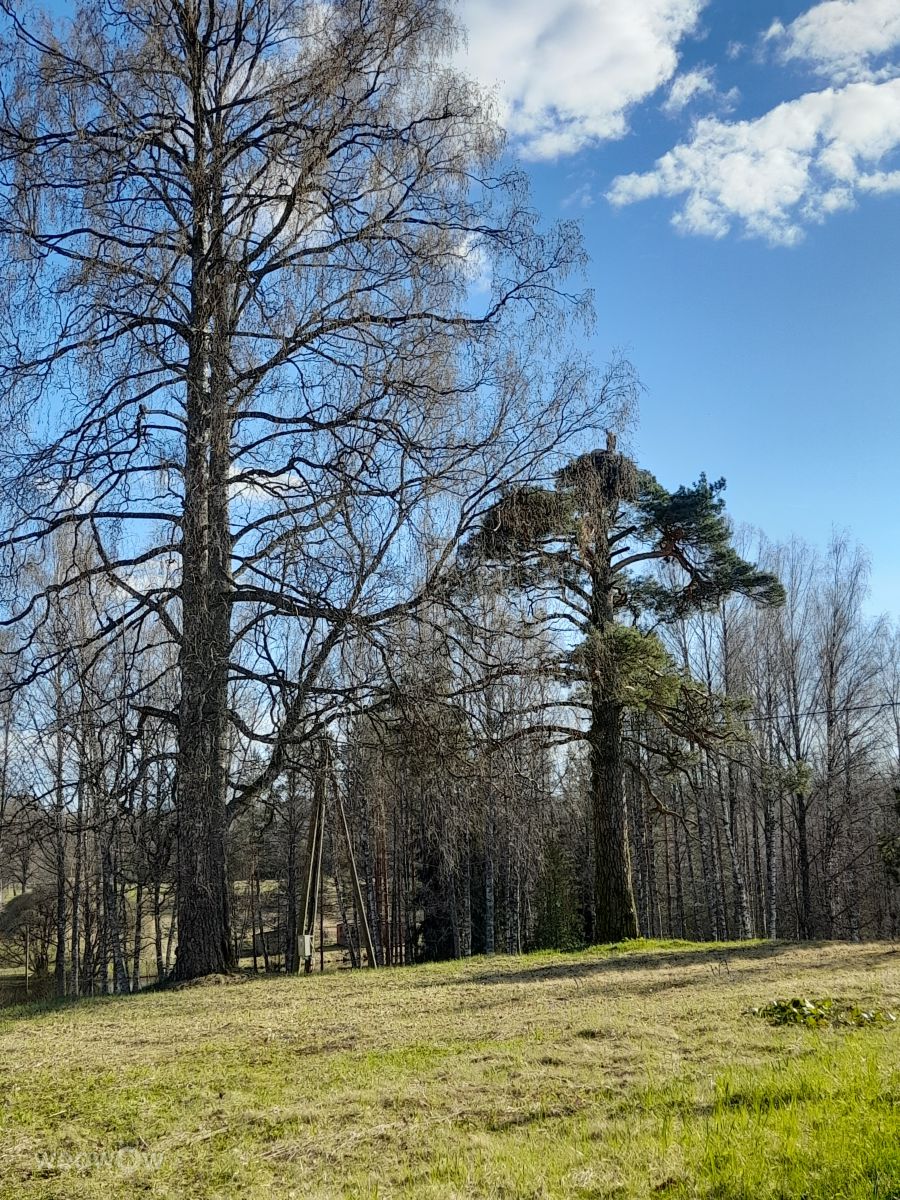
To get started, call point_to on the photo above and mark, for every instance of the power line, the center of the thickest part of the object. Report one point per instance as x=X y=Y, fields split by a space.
x=823 y=712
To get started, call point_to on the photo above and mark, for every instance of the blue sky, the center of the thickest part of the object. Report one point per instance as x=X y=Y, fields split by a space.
x=735 y=165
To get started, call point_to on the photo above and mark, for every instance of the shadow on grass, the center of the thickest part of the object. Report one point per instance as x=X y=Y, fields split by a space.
x=622 y=957
x=591 y=963
x=47 y=1006
x=27 y=1010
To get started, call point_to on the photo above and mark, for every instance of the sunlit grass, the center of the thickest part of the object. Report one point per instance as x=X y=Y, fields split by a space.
x=633 y=1072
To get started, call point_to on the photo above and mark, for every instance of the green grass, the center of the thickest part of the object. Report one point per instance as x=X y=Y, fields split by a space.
x=631 y=1072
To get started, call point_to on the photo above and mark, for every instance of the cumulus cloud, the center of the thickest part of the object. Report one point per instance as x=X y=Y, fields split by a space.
x=688 y=87
x=567 y=74
x=805 y=159
x=841 y=38
x=694 y=85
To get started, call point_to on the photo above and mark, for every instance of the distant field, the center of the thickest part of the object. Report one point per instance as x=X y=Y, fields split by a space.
x=622 y=1073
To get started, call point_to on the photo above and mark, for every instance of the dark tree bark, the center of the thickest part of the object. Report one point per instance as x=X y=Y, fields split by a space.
x=616 y=915
x=60 y=861
x=77 y=877
x=615 y=909
x=803 y=867
x=489 y=849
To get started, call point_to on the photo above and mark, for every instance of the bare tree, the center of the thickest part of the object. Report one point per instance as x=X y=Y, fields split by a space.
x=244 y=239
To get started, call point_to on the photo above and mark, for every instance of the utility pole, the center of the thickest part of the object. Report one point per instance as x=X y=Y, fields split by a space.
x=314 y=889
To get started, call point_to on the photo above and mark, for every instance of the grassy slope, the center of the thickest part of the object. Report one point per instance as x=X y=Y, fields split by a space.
x=600 y=1074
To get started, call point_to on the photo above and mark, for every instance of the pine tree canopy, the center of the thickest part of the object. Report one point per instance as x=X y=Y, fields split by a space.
x=603 y=510
x=613 y=552
x=690 y=527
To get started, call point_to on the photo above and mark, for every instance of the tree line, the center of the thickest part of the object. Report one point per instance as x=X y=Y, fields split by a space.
x=302 y=514
x=760 y=750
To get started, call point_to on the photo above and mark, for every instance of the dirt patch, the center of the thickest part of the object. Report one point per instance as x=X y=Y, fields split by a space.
x=206 y=981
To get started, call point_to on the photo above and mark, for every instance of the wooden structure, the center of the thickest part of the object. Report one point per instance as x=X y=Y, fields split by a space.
x=312 y=892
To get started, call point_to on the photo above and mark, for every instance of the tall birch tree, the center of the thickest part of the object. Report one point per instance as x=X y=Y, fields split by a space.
x=267 y=300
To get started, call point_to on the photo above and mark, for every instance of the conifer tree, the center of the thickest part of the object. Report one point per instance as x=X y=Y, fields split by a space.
x=580 y=546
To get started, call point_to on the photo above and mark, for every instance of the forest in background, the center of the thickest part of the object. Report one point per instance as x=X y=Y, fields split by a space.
x=312 y=550
x=471 y=821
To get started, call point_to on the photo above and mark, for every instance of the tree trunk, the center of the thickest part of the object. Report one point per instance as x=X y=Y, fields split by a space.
x=715 y=911
x=615 y=916
x=769 y=828
x=292 y=933
x=60 y=847
x=204 y=902
x=738 y=878
x=803 y=869
x=638 y=850
x=88 y=962
x=679 y=881
x=264 y=949
x=112 y=925
x=489 y=890
x=77 y=870
x=652 y=878
x=60 y=865
x=157 y=931
x=204 y=941
x=102 y=963
x=170 y=939
x=138 y=938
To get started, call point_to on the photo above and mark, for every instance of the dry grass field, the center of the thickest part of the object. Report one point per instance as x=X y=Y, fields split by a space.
x=631 y=1071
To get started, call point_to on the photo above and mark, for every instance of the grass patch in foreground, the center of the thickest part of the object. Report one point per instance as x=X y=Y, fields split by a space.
x=634 y=1072
x=827 y=1125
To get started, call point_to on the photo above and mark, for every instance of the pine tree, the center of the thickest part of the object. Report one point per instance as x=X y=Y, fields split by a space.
x=577 y=546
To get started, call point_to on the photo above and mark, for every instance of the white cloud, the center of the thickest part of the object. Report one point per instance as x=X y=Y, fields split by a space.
x=567 y=73
x=688 y=87
x=805 y=159
x=881 y=182
x=693 y=85
x=840 y=38
x=581 y=197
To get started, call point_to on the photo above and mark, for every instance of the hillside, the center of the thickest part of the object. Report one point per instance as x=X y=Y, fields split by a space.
x=630 y=1073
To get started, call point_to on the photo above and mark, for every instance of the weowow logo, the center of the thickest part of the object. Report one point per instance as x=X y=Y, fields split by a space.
x=125 y=1161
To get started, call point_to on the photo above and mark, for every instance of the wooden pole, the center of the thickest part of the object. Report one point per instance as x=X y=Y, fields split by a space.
x=309 y=892
x=318 y=876
x=321 y=910
x=354 y=875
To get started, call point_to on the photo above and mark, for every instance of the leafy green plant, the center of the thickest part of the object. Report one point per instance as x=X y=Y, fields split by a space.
x=815 y=1014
